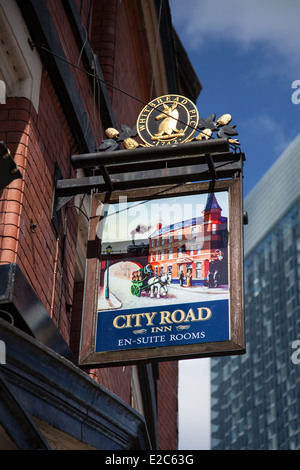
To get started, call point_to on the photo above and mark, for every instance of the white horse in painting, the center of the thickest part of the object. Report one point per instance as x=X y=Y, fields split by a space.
x=160 y=283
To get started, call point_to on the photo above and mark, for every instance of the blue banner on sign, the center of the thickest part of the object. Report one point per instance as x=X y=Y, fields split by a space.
x=170 y=325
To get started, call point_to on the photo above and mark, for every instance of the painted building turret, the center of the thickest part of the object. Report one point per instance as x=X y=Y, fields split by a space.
x=212 y=221
x=192 y=247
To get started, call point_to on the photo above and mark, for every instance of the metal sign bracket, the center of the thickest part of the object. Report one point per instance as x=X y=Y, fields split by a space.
x=139 y=168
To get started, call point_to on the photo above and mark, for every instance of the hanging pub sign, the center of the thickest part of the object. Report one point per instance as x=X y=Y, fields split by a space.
x=164 y=265
x=166 y=280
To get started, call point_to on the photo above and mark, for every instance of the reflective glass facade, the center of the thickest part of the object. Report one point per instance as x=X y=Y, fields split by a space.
x=255 y=398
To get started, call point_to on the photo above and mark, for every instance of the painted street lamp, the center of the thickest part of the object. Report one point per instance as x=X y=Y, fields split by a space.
x=108 y=252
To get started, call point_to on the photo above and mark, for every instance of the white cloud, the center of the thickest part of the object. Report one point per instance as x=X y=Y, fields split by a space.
x=271 y=24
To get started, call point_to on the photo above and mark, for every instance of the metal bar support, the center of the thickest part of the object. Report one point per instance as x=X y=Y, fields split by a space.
x=91 y=160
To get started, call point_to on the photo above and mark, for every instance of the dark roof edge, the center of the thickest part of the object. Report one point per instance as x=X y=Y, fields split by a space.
x=53 y=390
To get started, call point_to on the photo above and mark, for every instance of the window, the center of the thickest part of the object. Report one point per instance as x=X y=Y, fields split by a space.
x=198 y=270
x=170 y=254
x=20 y=67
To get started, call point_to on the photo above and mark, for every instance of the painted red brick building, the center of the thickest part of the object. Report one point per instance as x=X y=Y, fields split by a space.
x=192 y=248
x=71 y=69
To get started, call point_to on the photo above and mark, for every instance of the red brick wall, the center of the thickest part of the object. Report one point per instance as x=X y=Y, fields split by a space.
x=14 y=129
x=119 y=41
x=39 y=141
x=85 y=83
x=167 y=393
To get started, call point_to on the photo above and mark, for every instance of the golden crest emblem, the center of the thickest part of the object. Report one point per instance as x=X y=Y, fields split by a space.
x=168 y=119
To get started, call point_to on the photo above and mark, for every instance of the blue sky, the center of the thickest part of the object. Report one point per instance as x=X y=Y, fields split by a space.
x=247 y=57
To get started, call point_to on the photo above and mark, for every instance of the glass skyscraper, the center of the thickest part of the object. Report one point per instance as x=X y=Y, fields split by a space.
x=255 y=398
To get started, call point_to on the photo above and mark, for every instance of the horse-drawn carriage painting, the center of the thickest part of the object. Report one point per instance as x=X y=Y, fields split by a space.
x=144 y=280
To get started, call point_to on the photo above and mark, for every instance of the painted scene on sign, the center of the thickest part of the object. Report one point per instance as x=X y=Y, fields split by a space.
x=165 y=251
